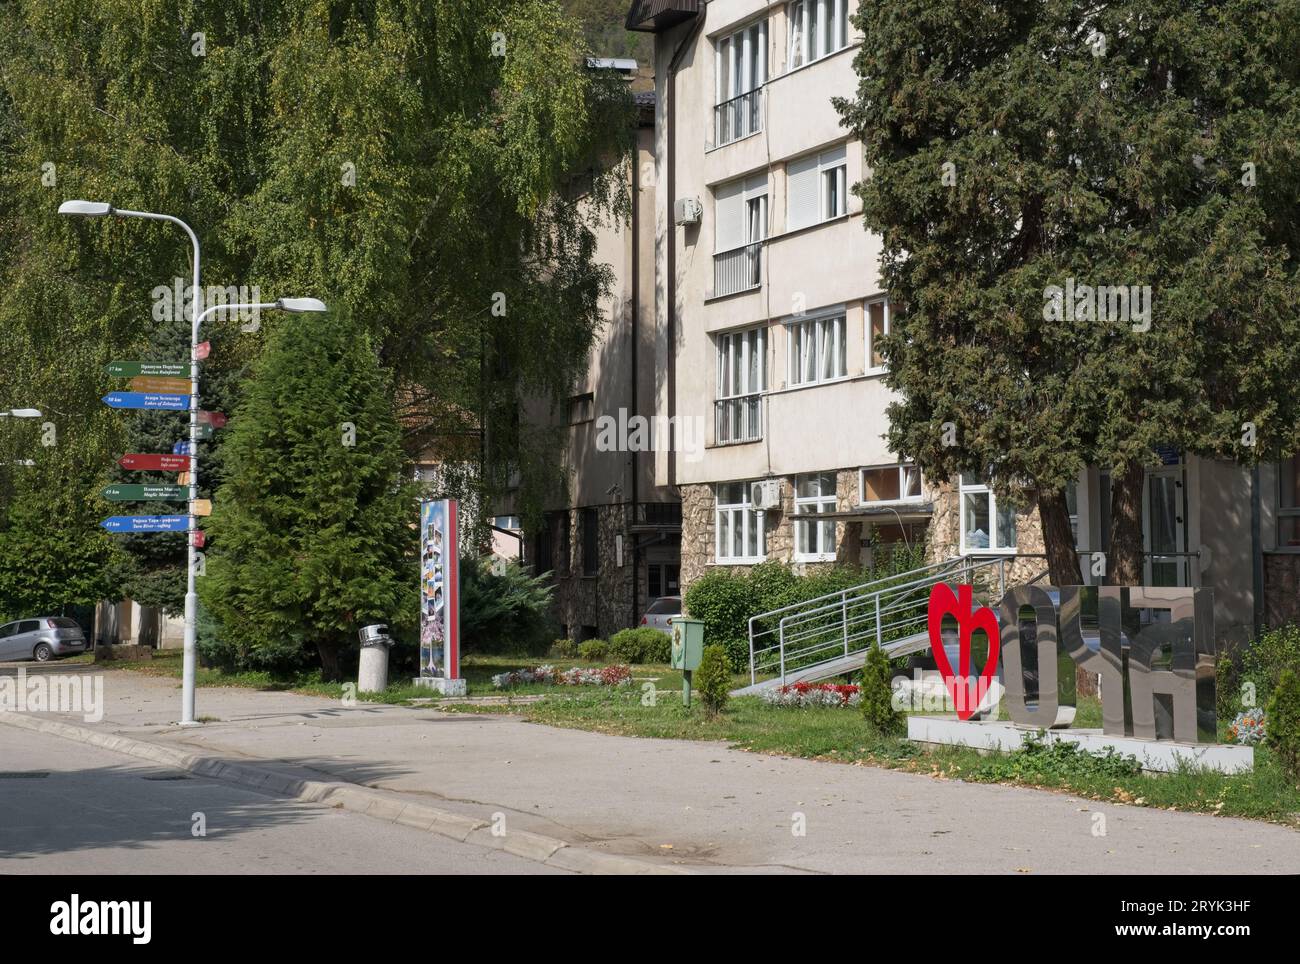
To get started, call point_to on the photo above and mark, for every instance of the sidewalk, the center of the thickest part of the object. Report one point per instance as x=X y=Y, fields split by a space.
x=698 y=805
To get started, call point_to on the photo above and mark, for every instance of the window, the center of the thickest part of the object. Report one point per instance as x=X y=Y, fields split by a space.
x=739 y=527
x=740 y=210
x=742 y=378
x=740 y=70
x=985 y=525
x=510 y=522
x=1288 y=503
x=581 y=408
x=816 y=28
x=890 y=483
x=816 y=188
x=880 y=322
x=590 y=523
x=813 y=495
x=816 y=350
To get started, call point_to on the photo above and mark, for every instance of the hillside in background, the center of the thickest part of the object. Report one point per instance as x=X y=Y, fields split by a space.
x=603 y=26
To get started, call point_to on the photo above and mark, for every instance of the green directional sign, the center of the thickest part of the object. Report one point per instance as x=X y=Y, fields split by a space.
x=134 y=492
x=130 y=369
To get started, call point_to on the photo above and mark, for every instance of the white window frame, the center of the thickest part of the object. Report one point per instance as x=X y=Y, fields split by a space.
x=808 y=24
x=904 y=468
x=832 y=163
x=869 y=336
x=731 y=344
x=735 y=73
x=978 y=489
x=750 y=519
x=805 y=506
x=800 y=332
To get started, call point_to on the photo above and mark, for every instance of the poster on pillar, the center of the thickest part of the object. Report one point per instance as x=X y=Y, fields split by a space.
x=439 y=590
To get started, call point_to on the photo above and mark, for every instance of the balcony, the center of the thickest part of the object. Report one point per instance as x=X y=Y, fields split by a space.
x=738 y=419
x=740 y=269
x=738 y=117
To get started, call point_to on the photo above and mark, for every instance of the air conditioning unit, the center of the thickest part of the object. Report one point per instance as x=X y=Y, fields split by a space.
x=687 y=210
x=765 y=494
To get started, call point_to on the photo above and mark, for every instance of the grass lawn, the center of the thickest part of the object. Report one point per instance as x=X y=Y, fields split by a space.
x=833 y=735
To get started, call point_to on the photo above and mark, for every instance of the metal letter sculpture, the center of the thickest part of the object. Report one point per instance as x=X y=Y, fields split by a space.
x=1152 y=647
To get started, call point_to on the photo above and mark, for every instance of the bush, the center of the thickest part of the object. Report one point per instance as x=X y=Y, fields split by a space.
x=644 y=644
x=724 y=601
x=594 y=650
x=713 y=679
x=506 y=610
x=1227 y=700
x=877 y=695
x=1268 y=657
x=564 y=648
x=1284 y=723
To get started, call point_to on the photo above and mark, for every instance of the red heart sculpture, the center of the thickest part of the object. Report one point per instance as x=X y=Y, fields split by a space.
x=942 y=602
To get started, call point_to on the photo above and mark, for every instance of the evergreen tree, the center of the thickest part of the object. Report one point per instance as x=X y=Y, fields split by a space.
x=313 y=534
x=1147 y=143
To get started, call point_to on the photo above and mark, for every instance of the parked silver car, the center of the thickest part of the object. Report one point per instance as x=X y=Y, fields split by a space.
x=41 y=639
x=660 y=612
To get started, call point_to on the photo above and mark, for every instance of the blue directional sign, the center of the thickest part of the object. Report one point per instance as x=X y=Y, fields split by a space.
x=172 y=403
x=183 y=448
x=146 y=523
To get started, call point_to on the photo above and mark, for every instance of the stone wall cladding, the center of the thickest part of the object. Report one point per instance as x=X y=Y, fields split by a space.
x=602 y=600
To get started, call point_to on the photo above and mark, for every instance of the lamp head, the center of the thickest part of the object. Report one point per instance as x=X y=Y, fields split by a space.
x=301 y=304
x=89 y=209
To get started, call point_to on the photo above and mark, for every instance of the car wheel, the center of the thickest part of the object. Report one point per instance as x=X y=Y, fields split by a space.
x=42 y=653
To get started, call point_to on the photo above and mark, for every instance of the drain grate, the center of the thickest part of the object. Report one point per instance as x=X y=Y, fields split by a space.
x=23 y=774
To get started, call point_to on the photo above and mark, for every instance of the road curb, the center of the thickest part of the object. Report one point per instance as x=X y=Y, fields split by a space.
x=551 y=851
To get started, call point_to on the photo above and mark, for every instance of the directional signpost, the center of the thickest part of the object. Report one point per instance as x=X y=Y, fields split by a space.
x=140 y=462
x=147 y=383
x=150 y=400
x=146 y=523
x=201 y=507
x=130 y=369
x=146 y=493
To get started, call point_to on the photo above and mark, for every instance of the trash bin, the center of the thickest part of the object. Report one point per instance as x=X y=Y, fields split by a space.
x=372 y=674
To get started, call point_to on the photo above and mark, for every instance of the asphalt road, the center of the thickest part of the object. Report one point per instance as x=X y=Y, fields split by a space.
x=73 y=809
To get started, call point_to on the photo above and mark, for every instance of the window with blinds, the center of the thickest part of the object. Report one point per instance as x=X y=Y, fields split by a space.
x=816 y=188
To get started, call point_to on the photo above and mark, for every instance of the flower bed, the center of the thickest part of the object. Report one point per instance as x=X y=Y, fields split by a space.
x=548 y=675
x=813 y=694
x=1248 y=727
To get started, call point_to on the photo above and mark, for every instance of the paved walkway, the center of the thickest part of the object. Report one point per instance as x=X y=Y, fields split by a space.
x=701 y=804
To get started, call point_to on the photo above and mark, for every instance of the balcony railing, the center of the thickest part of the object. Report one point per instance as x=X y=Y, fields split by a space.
x=738 y=419
x=738 y=117
x=739 y=269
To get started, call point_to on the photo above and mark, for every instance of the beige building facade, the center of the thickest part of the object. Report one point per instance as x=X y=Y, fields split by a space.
x=768 y=312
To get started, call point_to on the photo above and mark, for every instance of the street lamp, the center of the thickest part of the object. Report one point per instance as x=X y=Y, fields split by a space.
x=21 y=413
x=94 y=209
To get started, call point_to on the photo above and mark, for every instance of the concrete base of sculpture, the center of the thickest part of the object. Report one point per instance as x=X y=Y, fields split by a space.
x=1158 y=756
x=447 y=687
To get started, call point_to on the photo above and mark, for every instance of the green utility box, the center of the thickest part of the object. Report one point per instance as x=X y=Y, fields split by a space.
x=688 y=643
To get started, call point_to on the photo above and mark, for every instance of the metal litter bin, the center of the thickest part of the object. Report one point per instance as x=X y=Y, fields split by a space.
x=372 y=674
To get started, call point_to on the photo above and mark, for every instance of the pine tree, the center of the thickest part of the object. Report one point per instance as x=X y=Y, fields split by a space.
x=1013 y=147
x=313 y=532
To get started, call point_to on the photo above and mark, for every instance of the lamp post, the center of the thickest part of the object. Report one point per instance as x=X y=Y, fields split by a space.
x=102 y=209
x=21 y=413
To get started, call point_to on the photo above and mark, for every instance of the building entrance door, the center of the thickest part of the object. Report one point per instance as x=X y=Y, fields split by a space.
x=1164 y=527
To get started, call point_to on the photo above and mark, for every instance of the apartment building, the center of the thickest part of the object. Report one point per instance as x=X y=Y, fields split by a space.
x=611 y=537
x=769 y=313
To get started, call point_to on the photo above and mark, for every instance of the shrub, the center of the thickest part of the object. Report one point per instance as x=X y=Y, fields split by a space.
x=1268 y=657
x=877 y=697
x=1284 y=723
x=713 y=679
x=564 y=648
x=724 y=602
x=644 y=644
x=1227 y=700
x=504 y=610
x=593 y=649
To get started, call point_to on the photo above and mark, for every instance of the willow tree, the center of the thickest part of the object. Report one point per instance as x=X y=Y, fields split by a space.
x=1018 y=149
x=405 y=160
